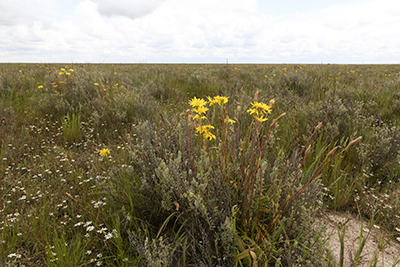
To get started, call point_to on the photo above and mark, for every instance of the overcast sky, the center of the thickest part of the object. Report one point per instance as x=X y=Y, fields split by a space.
x=202 y=31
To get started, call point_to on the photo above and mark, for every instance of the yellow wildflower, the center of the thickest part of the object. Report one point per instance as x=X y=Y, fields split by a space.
x=271 y=102
x=200 y=129
x=230 y=121
x=260 y=119
x=40 y=86
x=204 y=128
x=197 y=117
x=197 y=102
x=218 y=100
x=222 y=99
x=200 y=110
x=259 y=109
x=96 y=84
x=212 y=101
x=262 y=107
x=252 y=111
x=209 y=136
x=104 y=152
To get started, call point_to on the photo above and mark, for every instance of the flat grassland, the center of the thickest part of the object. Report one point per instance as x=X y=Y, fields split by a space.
x=194 y=165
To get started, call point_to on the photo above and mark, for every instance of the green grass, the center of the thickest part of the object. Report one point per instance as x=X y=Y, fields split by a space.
x=165 y=195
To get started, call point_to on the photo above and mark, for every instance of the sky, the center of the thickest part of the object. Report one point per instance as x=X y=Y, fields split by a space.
x=202 y=31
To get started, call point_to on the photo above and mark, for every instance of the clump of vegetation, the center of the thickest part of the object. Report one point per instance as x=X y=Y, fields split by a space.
x=106 y=165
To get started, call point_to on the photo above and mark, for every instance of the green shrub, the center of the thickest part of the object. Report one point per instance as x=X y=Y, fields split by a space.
x=216 y=188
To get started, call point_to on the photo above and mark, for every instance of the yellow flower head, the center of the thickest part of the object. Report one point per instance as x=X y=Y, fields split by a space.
x=222 y=99
x=197 y=117
x=197 y=102
x=218 y=100
x=204 y=128
x=200 y=129
x=260 y=119
x=252 y=111
x=40 y=86
x=261 y=107
x=209 y=136
x=212 y=101
x=104 y=152
x=271 y=102
x=200 y=110
x=230 y=121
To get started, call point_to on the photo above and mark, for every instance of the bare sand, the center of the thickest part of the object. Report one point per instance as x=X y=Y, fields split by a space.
x=389 y=250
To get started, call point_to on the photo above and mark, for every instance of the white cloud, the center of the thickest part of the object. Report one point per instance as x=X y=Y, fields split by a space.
x=128 y=8
x=24 y=11
x=187 y=31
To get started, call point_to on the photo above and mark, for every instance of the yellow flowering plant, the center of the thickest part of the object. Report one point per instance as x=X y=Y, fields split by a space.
x=104 y=152
x=200 y=110
x=197 y=102
x=218 y=100
x=240 y=158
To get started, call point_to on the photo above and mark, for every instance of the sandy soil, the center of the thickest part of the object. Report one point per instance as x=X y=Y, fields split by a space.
x=389 y=250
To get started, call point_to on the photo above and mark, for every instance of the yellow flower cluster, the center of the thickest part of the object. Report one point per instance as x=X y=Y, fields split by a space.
x=218 y=100
x=230 y=121
x=197 y=102
x=199 y=107
x=259 y=110
x=104 y=152
x=205 y=131
x=200 y=110
x=65 y=71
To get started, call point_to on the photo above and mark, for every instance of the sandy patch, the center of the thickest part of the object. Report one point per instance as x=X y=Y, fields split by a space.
x=389 y=250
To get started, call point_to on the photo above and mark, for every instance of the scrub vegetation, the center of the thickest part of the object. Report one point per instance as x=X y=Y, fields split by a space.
x=193 y=165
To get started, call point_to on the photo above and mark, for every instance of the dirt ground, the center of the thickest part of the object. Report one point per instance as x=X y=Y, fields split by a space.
x=389 y=250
